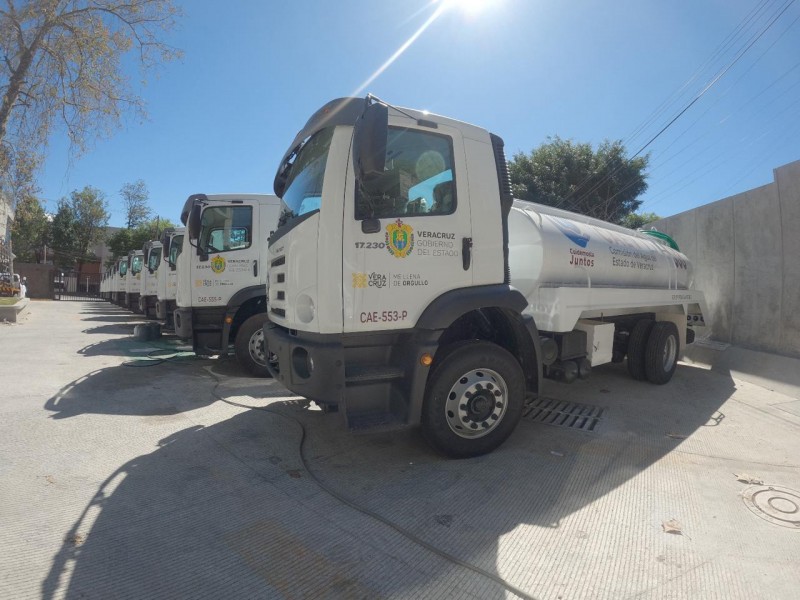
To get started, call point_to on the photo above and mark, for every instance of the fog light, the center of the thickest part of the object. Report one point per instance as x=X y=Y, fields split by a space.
x=304 y=308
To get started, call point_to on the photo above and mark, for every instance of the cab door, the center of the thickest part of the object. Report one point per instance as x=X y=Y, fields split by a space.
x=226 y=257
x=408 y=234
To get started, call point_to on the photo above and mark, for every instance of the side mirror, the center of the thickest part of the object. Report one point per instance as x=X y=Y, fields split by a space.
x=193 y=223
x=369 y=142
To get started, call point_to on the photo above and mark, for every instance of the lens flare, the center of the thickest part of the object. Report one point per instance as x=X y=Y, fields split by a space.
x=469 y=7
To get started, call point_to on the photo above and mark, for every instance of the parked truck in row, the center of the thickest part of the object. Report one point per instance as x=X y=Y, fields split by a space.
x=222 y=275
x=171 y=247
x=148 y=284
x=407 y=286
x=133 y=280
x=118 y=281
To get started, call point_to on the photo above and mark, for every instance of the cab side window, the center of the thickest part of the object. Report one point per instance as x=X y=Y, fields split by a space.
x=154 y=259
x=175 y=249
x=418 y=179
x=226 y=228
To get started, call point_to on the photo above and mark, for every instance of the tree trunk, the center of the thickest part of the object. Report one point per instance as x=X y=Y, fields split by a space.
x=17 y=79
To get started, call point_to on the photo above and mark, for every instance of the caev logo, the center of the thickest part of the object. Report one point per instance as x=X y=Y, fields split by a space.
x=572 y=231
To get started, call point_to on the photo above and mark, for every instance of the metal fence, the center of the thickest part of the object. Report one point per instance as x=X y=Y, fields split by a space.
x=80 y=287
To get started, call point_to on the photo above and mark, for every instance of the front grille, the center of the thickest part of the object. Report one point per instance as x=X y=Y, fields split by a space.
x=277 y=289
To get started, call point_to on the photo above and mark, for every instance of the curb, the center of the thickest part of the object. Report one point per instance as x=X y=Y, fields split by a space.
x=12 y=313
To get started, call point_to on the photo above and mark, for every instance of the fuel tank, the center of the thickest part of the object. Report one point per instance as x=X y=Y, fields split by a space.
x=549 y=247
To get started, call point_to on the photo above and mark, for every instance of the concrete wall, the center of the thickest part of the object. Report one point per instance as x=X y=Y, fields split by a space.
x=40 y=279
x=746 y=254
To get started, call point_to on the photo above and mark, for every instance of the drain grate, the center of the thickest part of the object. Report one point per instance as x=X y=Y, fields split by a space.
x=561 y=413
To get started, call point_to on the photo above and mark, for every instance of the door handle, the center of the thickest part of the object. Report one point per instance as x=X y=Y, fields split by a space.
x=255 y=268
x=466 y=252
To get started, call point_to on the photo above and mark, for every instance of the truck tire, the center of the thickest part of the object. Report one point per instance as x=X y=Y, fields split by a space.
x=637 y=343
x=473 y=399
x=661 y=353
x=249 y=345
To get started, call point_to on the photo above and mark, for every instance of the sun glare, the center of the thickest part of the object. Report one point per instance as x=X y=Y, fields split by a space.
x=471 y=7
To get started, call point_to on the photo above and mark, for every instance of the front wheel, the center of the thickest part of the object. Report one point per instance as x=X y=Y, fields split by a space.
x=250 y=346
x=473 y=400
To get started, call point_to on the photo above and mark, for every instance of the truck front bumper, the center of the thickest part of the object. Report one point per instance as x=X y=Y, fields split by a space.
x=308 y=364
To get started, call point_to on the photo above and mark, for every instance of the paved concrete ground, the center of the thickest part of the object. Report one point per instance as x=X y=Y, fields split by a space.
x=186 y=479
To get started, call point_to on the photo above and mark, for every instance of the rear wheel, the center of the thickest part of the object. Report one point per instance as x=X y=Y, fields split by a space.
x=473 y=400
x=251 y=351
x=637 y=342
x=661 y=353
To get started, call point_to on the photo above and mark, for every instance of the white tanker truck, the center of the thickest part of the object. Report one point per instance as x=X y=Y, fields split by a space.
x=407 y=286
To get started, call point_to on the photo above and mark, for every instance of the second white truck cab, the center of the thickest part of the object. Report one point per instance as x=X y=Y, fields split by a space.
x=408 y=287
x=148 y=290
x=222 y=275
x=171 y=247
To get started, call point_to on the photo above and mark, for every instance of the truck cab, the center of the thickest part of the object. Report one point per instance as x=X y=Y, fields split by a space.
x=171 y=247
x=120 y=280
x=133 y=280
x=408 y=287
x=222 y=276
x=151 y=252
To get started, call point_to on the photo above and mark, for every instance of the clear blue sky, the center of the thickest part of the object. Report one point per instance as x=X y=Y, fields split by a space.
x=253 y=72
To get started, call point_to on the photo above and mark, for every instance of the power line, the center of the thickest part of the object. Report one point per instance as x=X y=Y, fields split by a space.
x=708 y=86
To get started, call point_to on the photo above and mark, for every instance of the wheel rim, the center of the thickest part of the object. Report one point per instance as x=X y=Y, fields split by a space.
x=256 y=347
x=476 y=403
x=670 y=352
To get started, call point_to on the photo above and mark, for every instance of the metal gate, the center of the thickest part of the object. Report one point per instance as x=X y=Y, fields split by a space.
x=79 y=287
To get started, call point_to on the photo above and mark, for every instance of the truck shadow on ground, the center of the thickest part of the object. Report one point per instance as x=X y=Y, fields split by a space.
x=280 y=501
x=125 y=390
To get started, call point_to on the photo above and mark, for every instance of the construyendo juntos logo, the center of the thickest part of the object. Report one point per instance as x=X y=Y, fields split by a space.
x=218 y=264
x=399 y=239
x=572 y=231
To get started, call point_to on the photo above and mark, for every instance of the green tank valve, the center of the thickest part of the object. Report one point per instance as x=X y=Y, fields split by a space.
x=662 y=236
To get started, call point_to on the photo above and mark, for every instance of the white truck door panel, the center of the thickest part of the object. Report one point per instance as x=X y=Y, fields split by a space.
x=228 y=242
x=422 y=206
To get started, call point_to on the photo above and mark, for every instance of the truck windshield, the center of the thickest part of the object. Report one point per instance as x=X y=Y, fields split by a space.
x=123 y=268
x=303 y=192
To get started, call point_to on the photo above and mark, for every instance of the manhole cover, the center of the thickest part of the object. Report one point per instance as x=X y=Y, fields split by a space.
x=564 y=414
x=778 y=505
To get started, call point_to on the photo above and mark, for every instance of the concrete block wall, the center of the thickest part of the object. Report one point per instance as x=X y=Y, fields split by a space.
x=40 y=279
x=746 y=254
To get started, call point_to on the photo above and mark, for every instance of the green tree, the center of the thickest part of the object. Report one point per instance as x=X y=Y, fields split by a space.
x=602 y=183
x=18 y=166
x=30 y=229
x=123 y=241
x=638 y=220
x=78 y=224
x=134 y=198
